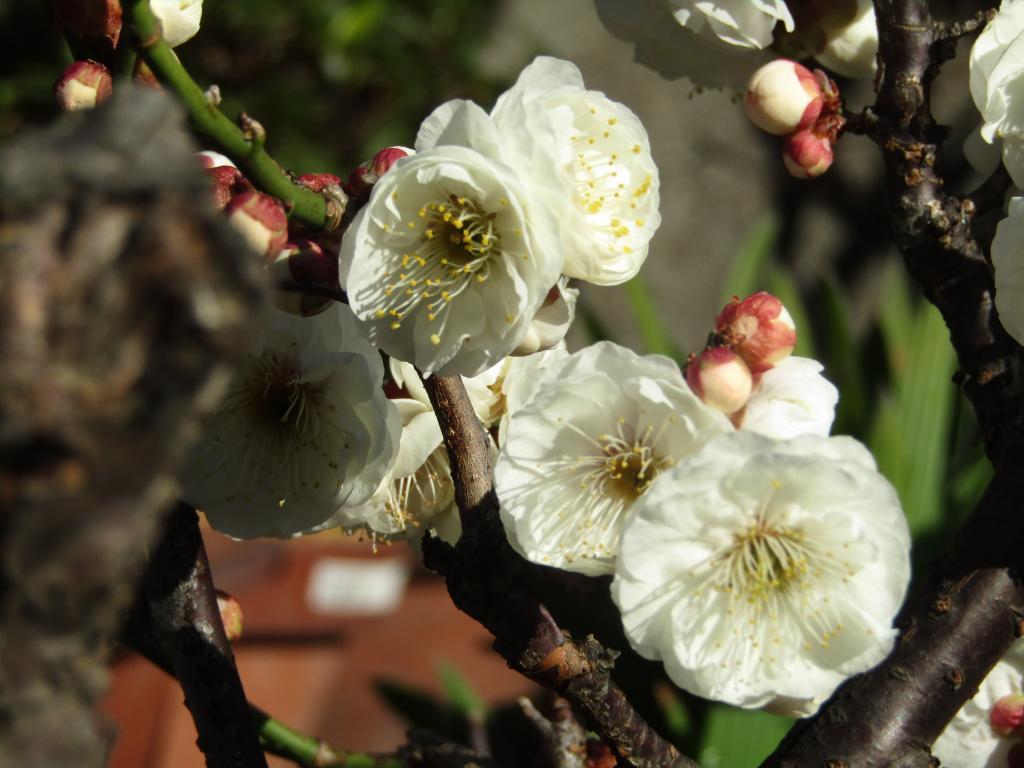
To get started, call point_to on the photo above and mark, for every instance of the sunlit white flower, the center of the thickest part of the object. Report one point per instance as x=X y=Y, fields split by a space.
x=179 y=19
x=305 y=430
x=997 y=60
x=552 y=320
x=418 y=490
x=791 y=399
x=452 y=256
x=600 y=428
x=744 y=23
x=851 y=45
x=764 y=572
x=602 y=183
x=1008 y=263
x=970 y=740
x=672 y=50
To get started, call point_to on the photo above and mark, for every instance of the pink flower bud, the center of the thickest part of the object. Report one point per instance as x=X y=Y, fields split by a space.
x=83 y=85
x=783 y=97
x=807 y=155
x=1007 y=714
x=306 y=262
x=91 y=18
x=228 y=182
x=758 y=329
x=210 y=159
x=261 y=221
x=367 y=174
x=318 y=182
x=230 y=615
x=720 y=378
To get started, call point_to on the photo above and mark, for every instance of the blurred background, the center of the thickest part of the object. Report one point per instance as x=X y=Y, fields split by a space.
x=332 y=81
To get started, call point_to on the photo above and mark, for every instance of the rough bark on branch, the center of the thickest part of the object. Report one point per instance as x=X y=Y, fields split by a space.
x=121 y=296
x=969 y=612
x=488 y=580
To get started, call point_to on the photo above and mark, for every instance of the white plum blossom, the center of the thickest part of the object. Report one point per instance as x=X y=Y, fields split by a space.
x=765 y=572
x=674 y=51
x=970 y=740
x=851 y=47
x=417 y=493
x=791 y=399
x=600 y=428
x=602 y=183
x=552 y=321
x=996 y=63
x=304 y=430
x=453 y=255
x=1008 y=263
x=743 y=23
x=179 y=19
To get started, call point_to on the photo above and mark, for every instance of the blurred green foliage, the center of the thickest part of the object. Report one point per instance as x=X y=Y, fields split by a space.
x=332 y=81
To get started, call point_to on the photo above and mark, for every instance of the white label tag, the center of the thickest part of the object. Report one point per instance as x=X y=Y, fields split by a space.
x=338 y=585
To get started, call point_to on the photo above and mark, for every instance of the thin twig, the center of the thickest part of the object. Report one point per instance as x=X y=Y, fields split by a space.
x=303 y=205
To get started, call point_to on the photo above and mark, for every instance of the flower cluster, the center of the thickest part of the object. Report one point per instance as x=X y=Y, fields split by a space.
x=84 y=84
x=459 y=256
x=759 y=559
x=786 y=99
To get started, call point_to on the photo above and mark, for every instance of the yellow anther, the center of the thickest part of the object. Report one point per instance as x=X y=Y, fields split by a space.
x=435 y=339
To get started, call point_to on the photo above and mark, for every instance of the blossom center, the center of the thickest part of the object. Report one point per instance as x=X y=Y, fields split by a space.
x=275 y=397
x=629 y=466
x=764 y=560
x=455 y=244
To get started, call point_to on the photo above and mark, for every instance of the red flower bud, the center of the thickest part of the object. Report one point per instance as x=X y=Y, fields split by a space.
x=228 y=182
x=1007 y=714
x=91 y=18
x=367 y=174
x=306 y=262
x=783 y=97
x=261 y=221
x=807 y=155
x=720 y=378
x=758 y=329
x=83 y=85
x=318 y=182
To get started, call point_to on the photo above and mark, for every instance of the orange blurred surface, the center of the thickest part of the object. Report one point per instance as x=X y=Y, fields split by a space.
x=315 y=669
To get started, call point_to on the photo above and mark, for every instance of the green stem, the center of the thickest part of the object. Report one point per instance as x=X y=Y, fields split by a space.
x=302 y=204
x=283 y=741
x=124 y=64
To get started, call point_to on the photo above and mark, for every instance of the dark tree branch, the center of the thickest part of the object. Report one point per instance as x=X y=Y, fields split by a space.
x=967 y=615
x=187 y=625
x=488 y=580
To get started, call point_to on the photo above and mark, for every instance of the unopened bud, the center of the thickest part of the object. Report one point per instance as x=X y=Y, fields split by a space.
x=211 y=159
x=228 y=183
x=230 y=615
x=261 y=221
x=145 y=77
x=318 y=182
x=91 y=18
x=367 y=174
x=783 y=97
x=1007 y=714
x=304 y=262
x=851 y=40
x=83 y=85
x=178 y=19
x=807 y=155
x=758 y=329
x=720 y=378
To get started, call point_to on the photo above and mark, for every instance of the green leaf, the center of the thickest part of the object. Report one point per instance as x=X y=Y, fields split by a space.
x=657 y=339
x=746 y=273
x=911 y=434
x=842 y=359
x=459 y=691
x=738 y=737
